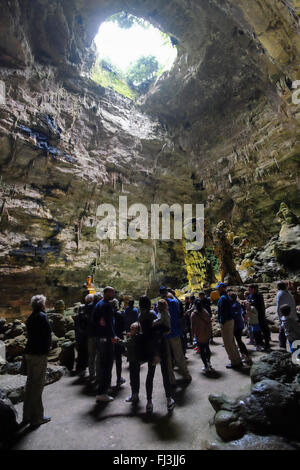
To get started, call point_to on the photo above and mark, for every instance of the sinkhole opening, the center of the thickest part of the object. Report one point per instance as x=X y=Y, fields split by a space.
x=131 y=54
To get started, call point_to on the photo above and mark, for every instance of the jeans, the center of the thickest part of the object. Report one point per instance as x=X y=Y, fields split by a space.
x=82 y=358
x=33 y=410
x=282 y=338
x=118 y=359
x=105 y=359
x=257 y=335
x=134 y=371
x=204 y=353
x=238 y=336
x=265 y=330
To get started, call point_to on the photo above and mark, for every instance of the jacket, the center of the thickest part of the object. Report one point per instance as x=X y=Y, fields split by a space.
x=201 y=326
x=38 y=334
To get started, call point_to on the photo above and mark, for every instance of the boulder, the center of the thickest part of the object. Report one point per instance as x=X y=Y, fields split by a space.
x=3 y=325
x=13 y=386
x=16 y=346
x=67 y=355
x=70 y=335
x=255 y=442
x=11 y=368
x=228 y=425
x=16 y=330
x=272 y=407
x=8 y=418
x=69 y=323
x=54 y=355
x=275 y=366
x=57 y=324
x=59 y=306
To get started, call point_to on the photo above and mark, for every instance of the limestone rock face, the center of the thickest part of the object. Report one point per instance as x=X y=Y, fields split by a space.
x=220 y=128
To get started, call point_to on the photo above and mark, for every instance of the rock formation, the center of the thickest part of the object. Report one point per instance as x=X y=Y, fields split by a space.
x=271 y=408
x=223 y=116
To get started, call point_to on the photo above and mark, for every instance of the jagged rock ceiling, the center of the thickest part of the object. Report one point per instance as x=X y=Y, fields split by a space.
x=220 y=128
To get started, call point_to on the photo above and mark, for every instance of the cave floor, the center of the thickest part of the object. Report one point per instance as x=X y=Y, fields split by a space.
x=78 y=424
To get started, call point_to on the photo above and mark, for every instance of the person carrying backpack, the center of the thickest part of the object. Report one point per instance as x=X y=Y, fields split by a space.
x=226 y=320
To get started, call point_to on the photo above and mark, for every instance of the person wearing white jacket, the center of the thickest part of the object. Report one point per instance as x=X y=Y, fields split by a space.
x=284 y=297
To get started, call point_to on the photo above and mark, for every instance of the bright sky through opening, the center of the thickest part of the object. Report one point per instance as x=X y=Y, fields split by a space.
x=123 y=46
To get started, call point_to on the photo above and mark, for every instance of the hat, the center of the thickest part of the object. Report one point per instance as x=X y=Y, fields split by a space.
x=162 y=288
x=220 y=285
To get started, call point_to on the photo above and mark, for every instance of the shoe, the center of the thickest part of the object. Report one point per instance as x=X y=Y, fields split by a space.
x=133 y=399
x=149 y=407
x=44 y=420
x=170 y=404
x=204 y=369
x=23 y=424
x=121 y=382
x=187 y=380
x=237 y=366
x=104 y=398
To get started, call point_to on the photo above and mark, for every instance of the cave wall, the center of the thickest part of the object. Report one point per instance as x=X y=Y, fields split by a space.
x=219 y=128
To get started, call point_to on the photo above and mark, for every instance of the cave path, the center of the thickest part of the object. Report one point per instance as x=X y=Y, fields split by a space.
x=77 y=423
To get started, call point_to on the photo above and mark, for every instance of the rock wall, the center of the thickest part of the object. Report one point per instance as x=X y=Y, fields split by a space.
x=219 y=128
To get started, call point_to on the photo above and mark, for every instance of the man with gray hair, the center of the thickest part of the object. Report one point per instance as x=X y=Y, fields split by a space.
x=36 y=356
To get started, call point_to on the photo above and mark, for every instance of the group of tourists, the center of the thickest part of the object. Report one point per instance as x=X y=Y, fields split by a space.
x=153 y=335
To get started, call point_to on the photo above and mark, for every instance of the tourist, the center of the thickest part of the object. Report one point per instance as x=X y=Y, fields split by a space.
x=105 y=340
x=284 y=297
x=81 y=334
x=36 y=355
x=132 y=344
x=187 y=313
x=226 y=320
x=257 y=300
x=290 y=325
x=173 y=340
x=92 y=335
x=253 y=318
x=202 y=331
x=239 y=326
x=206 y=302
x=131 y=315
x=119 y=330
x=154 y=328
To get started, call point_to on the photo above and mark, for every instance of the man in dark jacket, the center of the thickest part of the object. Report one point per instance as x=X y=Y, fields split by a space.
x=105 y=340
x=226 y=320
x=257 y=300
x=119 y=322
x=81 y=334
x=36 y=356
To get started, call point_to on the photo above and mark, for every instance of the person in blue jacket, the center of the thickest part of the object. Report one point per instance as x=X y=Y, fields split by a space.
x=226 y=320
